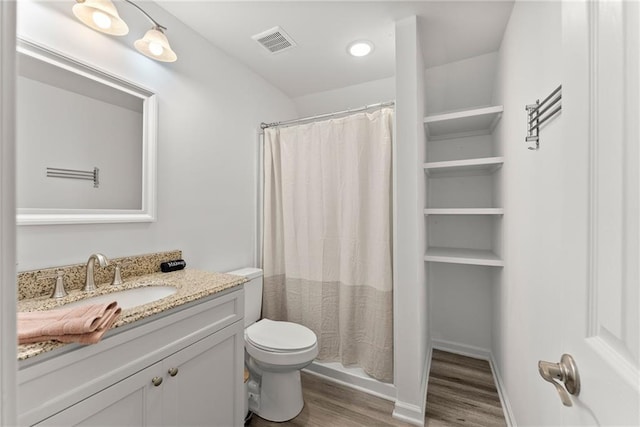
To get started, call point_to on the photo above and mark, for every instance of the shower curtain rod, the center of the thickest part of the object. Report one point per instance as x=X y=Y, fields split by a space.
x=263 y=125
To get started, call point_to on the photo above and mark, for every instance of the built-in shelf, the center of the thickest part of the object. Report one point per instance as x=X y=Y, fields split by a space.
x=463 y=256
x=464 y=211
x=479 y=121
x=485 y=165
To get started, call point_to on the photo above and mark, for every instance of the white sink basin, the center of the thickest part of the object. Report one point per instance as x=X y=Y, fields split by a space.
x=130 y=297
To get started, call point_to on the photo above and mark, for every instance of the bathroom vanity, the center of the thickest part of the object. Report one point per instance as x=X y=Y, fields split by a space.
x=177 y=361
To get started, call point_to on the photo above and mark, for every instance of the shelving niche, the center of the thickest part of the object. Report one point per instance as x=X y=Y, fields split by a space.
x=463 y=222
x=461 y=201
x=478 y=121
x=467 y=166
x=463 y=256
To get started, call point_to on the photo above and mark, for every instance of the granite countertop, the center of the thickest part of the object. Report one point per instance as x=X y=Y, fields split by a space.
x=191 y=285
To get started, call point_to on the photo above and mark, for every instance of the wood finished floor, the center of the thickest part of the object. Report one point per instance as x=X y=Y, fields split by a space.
x=461 y=393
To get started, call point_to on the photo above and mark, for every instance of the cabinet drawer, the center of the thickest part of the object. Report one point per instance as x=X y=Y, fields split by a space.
x=58 y=382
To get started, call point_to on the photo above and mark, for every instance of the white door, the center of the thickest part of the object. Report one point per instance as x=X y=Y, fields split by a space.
x=599 y=294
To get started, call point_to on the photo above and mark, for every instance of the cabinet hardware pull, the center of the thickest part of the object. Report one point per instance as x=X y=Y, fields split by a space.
x=156 y=381
x=173 y=371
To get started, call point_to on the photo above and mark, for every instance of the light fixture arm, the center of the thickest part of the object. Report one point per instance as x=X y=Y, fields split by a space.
x=155 y=23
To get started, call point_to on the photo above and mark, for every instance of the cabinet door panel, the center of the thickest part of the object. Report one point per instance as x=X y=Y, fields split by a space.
x=207 y=389
x=134 y=401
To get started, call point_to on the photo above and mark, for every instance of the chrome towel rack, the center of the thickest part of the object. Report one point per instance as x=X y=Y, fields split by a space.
x=539 y=113
x=76 y=174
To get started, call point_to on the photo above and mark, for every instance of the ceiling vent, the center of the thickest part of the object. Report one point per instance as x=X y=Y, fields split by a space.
x=275 y=40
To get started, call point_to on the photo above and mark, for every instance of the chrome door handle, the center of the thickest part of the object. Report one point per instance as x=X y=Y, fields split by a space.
x=566 y=372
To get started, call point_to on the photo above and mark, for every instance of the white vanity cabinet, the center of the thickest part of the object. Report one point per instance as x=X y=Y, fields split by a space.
x=184 y=368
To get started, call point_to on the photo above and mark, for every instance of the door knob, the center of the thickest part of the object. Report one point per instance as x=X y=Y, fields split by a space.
x=156 y=381
x=565 y=372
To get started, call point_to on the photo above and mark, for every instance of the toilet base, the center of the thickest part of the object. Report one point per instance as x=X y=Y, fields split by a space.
x=280 y=396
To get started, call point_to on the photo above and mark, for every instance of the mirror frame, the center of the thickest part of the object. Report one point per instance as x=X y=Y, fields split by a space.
x=43 y=216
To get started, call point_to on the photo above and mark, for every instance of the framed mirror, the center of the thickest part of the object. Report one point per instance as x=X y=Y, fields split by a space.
x=86 y=142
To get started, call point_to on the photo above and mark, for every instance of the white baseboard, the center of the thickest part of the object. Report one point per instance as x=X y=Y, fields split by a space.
x=411 y=414
x=484 y=354
x=462 y=349
x=504 y=399
x=350 y=378
x=414 y=414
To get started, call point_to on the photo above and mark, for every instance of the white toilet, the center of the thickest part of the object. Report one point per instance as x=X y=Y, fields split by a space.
x=275 y=352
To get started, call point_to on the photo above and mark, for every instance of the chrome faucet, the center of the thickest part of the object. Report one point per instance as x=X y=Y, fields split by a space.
x=89 y=283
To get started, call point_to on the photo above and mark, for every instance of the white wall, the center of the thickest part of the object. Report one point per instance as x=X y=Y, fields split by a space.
x=460 y=85
x=345 y=98
x=528 y=313
x=210 y=107
x=461 y=306
x=454 y=86
x=411 y=327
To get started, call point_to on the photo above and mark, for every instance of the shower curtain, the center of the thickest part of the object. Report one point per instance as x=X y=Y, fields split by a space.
x=327 y=236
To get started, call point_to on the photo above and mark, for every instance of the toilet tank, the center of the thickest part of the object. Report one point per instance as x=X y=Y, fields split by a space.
x=252 y=294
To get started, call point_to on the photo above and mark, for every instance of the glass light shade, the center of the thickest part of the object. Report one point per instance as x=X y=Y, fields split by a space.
x=101 y=15
x=102 y=20
x=360 y=48
x=155 y=45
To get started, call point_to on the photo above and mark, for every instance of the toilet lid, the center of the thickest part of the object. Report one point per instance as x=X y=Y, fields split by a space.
x=280 y=336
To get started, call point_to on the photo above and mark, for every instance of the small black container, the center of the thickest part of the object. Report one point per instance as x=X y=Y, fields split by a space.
x=177 y=264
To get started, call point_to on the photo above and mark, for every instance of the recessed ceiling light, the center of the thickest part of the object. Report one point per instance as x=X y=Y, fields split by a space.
x=360 y=48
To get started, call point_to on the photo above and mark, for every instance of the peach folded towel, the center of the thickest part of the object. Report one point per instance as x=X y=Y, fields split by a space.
x=85 y=324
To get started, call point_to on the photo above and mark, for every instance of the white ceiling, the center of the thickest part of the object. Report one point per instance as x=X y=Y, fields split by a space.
x=450 y=31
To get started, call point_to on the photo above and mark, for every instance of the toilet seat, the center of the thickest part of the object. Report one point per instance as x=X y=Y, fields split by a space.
x=280 y=337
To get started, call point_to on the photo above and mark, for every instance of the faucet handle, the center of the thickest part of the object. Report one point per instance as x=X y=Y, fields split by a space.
x=117 y=277
x=58 y=291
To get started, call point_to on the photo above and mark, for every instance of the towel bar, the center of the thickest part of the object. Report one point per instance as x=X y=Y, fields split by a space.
x=76 y=174
x=536 y=115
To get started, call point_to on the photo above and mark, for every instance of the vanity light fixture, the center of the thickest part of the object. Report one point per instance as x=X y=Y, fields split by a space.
x=155 y=45
x=360 y=48
x=102 y=15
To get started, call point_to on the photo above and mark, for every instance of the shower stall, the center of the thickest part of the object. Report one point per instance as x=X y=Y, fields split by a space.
x=325 y=240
